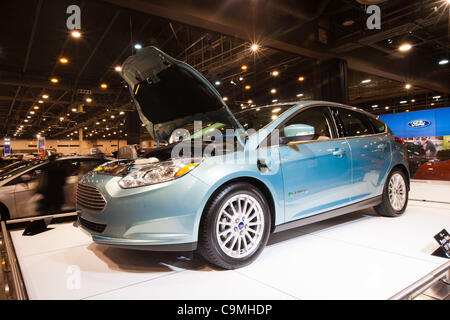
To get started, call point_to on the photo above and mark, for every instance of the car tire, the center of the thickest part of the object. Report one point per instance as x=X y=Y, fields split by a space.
x=235 y=226
x=395 y=195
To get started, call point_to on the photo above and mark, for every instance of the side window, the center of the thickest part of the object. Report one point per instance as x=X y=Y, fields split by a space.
x=87 y=165
x=378 y=125
x=355 y=123
x=315 y=118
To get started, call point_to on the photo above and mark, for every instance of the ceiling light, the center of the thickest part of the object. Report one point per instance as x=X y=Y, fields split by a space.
x=407 y=110
x=45 y=96
x=366 y=81
x=112 y=116
x=250 y=101
x=89 y=100
x=274 y=117
x=217 y=83
x=241 y=78
x=432 y=104
x=29 y=117
x=76 y=34
x=405 y=47
x=274 y=100
x=275 y=73
x=138 y=46
x=387 y=107
x=122 y=112
x=36 y=107
x=74 y=109
x=276 y=110
x=254 y=47
x=61 y=118
x=273 y=91
x=436 y=97
x=104 y=120
x=97 y=123
x=375 y=106
x=443 y=61
x=403 y=101
x=26 y=120
x=85 y=128
x=31 y=112
x=299 y=95
x=118 y=68
x=225 y=99
x=413 y=100
x=407 y=86
x=103 y=86
x=301 y=78
x=244 y=67
x=40 y=101
x=63 y=60
x=247 y=87
x=54 y=80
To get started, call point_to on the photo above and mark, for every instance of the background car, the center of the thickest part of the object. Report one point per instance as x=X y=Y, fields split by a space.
x=18 y=196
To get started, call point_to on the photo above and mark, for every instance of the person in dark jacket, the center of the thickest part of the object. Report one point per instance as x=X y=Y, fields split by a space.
x=51 y=186
x=430 y=148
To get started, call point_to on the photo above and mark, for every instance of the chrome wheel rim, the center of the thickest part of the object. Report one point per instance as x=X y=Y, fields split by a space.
x=397 y=191
x=240 y=226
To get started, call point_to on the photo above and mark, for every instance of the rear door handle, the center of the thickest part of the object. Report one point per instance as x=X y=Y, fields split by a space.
x=339 y=153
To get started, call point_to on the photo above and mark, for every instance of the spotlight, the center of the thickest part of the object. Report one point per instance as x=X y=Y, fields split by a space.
x=89 y=100
x=254 y=47
x=103 y=86
x=138 y=46
x=247 y=87
x=405 y=47
x=275 y=73
x=45 y=96
x=301 y=79
x=217 y=83
x=244 y=67
x=366 y=81
x=54 y=80
x=407 y=86
x=273 y=91
x=225 y=99
x=443 y=62
x=76 y=34
x=36 y=107
x=118 y=68
x=63 y=60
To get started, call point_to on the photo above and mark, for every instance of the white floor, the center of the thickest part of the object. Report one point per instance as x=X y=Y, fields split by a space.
x=357 y=256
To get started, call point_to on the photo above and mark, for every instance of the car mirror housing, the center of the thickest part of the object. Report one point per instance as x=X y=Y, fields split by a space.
x=297 y=132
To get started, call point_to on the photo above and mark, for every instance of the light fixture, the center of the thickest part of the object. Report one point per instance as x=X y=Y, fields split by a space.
x=241 y=78
x=250 y=101
x=225 y=98
x=26 y=120
x=112 y=116
x=217 y=83
x=387 y=107
x=61 y=118
x=89 y=100
x=405 y=47
x=366 y=81
x=97 y=123
x=436 y=97
x=29 y=117
x=36 y=107
x=54 y=80
x=407 y=86
x=122 y=112
x=274 y=100
x=247 y=87
x=276 y=110
x=254 y=47
x=104 y=120
x=274 y=117
x=275 y=73
x=76 y=34
x=299 y=95
x=138 y=46
x=31 y=112
x=40 y=101
x=63 y=60
x=273 y=91
x=244 y=67
x=103 y=86
x=118 y=68
x=407 y=110
x=45 y=96
x=74 y=109
x=301 y=78
x=403 y=101
x=413 y=100
x=443 y=61
x=375 y=106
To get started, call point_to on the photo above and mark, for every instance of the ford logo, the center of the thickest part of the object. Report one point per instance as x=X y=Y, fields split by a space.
x=419 y=123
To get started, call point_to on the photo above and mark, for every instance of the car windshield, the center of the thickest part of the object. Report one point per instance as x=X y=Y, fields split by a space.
x=253 y=118
x=22 y=168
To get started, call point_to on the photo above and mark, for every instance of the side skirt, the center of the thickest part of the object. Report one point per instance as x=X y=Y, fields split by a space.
x=329 y=214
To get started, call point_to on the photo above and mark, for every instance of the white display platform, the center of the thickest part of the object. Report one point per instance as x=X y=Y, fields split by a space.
x=357 y=256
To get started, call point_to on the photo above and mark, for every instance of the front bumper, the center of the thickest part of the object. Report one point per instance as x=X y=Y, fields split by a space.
x=160 y=217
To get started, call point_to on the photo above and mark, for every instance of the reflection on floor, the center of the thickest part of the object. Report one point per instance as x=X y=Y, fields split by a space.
x=358 y=256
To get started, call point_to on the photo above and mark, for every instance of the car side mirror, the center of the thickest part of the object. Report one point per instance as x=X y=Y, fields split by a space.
x=297 y=132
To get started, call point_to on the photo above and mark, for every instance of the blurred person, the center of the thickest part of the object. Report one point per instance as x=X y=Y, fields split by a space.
x=51 y=186
x=430 y=148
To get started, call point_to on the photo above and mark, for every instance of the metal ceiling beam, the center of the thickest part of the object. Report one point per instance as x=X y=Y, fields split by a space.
x=213 y=21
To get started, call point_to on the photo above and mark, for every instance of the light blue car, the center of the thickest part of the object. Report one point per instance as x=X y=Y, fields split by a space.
x=220 y=187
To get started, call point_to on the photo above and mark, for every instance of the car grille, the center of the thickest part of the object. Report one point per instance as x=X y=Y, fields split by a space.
x=90 y=198
x=97 y=227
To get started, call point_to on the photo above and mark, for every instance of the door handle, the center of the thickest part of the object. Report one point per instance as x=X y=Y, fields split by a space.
x=339 y=153
x=262 y=165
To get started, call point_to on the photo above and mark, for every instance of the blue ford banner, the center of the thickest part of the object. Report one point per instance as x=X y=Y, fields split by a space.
x=419 y=123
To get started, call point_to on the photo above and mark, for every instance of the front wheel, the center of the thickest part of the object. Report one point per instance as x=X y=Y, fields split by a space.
x=395 y=195
x=235 y=226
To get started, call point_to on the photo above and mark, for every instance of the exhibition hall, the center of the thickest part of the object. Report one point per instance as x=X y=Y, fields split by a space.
x=223 y=150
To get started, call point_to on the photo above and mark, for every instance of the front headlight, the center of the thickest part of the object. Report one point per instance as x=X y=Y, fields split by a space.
x=157 y=173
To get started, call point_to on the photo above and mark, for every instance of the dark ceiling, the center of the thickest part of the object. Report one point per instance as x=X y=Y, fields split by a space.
x=214 y=37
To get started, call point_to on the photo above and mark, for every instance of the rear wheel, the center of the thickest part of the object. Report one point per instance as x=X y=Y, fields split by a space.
x=395 y=195
x=235 y=226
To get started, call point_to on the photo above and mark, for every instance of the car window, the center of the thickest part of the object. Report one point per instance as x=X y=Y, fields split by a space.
x=80 y=166
x=378 y=125
x=355 y=123
x=314 y=117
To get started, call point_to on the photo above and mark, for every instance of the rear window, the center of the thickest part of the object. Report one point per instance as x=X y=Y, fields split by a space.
x=355 y=123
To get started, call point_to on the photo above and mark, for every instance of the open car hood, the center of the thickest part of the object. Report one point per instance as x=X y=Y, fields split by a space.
x=170 y=94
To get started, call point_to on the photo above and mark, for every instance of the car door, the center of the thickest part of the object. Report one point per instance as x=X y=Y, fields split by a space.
x=316 y=171
x=370 y=152
x=26 y=198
